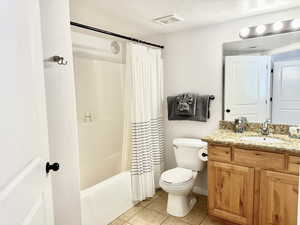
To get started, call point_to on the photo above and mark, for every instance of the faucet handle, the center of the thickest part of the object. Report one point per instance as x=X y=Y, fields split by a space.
x=266 y=123
x=265 y=127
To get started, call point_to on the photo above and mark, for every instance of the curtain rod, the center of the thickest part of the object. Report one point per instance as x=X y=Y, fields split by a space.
x=114 y=34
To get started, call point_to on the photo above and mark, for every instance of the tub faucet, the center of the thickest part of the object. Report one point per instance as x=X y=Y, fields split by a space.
x=265 y=129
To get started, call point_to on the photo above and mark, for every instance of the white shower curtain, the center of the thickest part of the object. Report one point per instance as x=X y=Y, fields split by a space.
x=144 y=101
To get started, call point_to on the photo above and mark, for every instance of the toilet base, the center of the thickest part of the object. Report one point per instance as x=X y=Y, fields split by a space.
x=180 y=205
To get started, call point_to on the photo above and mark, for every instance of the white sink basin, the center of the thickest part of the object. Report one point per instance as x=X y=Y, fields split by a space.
x=262 y=139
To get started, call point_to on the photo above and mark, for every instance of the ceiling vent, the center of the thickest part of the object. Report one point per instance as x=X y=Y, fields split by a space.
x=168 y=19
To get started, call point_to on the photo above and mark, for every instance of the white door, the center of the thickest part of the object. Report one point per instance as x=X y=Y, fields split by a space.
x=61 y=110
x=247 y=88
x=286 y=93
x=25 y=188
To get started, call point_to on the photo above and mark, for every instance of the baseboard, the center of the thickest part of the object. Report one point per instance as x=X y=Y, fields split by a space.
x=200 y=191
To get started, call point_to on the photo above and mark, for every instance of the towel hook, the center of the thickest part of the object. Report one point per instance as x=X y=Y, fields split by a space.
x=59 y=60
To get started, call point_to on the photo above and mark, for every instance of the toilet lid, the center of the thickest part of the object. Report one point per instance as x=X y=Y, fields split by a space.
x=177 y=175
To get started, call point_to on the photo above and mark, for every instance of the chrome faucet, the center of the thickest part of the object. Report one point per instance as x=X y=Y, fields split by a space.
x=265 y=129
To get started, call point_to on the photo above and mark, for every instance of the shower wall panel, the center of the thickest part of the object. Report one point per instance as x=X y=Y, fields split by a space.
x=100 y=118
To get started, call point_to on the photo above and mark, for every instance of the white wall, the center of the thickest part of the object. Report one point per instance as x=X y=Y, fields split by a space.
x=193 y=62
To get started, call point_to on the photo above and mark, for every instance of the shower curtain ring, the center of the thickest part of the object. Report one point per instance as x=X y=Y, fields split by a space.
x=59 y=60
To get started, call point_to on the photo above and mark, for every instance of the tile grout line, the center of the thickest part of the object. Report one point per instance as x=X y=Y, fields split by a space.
x=203 y=220
x=164 y=220
x=165 y=215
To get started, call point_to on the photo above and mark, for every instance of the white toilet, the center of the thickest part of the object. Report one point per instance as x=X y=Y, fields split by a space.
x=178 y=182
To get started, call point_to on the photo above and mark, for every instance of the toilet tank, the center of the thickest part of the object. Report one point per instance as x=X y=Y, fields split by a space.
x=186 y=153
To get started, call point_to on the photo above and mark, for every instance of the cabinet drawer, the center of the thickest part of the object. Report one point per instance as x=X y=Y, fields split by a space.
x=259 y=159
x=293 y=164
x=219 y=153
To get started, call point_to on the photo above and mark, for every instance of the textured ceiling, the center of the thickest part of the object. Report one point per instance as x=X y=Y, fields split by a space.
x=140 y=13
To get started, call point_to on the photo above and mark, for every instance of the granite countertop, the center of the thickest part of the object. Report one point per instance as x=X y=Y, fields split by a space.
x=230 y=138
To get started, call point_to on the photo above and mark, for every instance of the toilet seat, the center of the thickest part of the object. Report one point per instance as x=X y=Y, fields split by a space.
x=177 y=175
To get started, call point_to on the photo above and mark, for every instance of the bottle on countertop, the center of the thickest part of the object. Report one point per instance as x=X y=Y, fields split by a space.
x=294 y=131
x=240 y=124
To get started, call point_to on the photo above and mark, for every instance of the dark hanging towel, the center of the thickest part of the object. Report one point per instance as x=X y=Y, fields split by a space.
x=186 y=105
x=202 y=112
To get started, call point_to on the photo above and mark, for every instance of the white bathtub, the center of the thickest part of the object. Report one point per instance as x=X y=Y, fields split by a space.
x=107 y=200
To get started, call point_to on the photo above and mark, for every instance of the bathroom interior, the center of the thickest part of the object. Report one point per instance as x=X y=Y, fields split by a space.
x=228 y=105
x=245 y=98
x=153 y=113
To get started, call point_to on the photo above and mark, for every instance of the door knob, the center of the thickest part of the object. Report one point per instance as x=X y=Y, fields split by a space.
x=59 y=60
x=54 y=167
x=204 y=154
x=228 y=110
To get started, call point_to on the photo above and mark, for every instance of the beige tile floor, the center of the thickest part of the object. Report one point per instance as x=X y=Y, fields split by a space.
x=153 y=212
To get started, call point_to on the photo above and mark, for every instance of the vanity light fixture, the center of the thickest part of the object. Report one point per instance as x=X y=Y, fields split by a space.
x=295 y=24
x=245 y=32
x=260 y=29
x=278 y=27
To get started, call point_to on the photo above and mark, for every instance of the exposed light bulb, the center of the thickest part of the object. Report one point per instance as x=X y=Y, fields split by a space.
x=275 y=28
x=260 y=29
x=278 y=26
x=295 y=24
x=245 y=32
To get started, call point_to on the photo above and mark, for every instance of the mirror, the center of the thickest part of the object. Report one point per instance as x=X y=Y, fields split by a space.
x=261 y=79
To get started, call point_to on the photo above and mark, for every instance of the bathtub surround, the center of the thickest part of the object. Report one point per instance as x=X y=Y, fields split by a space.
x=99 y=90
x=144 y=95
x=86 y=45
x=113 y=128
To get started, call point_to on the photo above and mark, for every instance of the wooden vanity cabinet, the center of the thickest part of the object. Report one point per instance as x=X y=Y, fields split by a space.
x=250 y=187
x=278 y=198
x=231 y=190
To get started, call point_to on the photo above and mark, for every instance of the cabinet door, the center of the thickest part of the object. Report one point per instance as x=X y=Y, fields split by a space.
x=278 y=198
x=230 y=192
